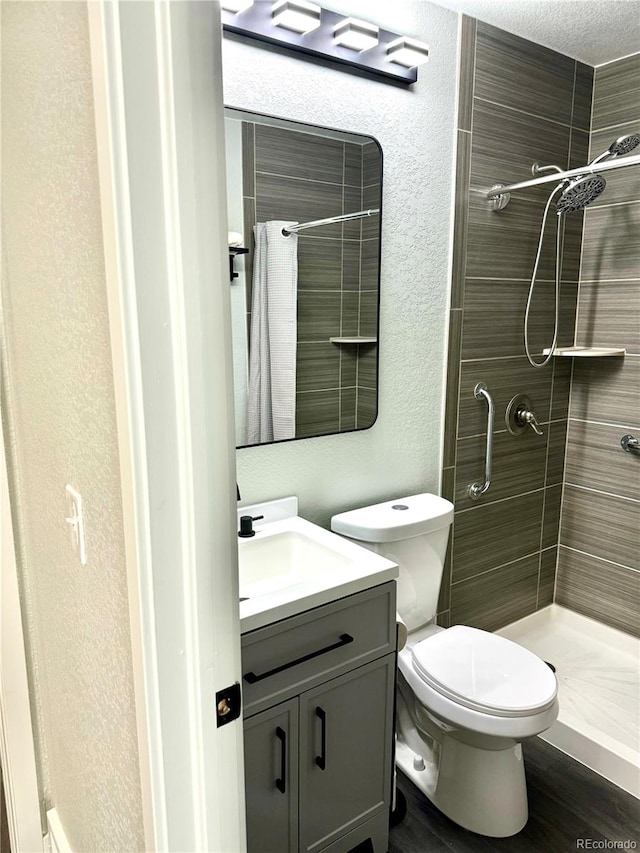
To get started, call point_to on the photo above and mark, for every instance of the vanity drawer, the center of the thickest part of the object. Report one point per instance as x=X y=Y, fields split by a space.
x=293 y=655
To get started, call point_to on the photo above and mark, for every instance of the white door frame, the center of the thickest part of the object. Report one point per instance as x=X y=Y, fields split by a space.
x=157 y=73
x=16 y=731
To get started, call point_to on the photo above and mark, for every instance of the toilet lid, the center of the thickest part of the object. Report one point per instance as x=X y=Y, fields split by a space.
x=485 y=672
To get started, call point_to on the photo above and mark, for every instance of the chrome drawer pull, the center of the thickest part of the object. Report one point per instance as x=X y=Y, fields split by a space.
x=252 y=678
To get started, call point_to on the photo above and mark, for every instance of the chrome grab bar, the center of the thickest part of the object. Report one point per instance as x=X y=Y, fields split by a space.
x=475 y=490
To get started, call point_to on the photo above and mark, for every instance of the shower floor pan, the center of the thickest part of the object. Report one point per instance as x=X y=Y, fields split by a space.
x=598 y=672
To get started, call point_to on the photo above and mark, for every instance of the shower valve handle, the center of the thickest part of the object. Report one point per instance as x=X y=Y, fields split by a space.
x=524 y=416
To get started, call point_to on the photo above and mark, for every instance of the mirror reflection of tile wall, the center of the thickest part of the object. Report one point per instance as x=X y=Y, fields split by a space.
x=301 y=177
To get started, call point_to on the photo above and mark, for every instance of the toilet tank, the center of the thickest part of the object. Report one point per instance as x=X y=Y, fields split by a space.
x=413 y=532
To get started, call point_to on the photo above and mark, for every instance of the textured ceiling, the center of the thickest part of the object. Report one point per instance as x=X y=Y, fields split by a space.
x=593 y=31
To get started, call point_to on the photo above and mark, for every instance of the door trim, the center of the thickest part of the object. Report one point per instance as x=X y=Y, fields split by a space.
x=163 y=189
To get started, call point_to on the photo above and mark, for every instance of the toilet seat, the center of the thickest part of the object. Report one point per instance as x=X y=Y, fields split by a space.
x=484 y=672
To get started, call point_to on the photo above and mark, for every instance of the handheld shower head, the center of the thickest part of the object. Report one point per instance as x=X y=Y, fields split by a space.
x=622 y=145
x=580 y=192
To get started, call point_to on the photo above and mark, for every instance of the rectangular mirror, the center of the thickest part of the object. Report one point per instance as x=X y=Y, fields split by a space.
x=305 y=298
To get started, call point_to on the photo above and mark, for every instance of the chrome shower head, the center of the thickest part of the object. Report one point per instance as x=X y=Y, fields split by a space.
x=624 y=144
x=580 y=192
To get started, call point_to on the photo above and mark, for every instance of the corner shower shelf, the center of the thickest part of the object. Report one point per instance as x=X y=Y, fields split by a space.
x=354 y=339
x=587 y=352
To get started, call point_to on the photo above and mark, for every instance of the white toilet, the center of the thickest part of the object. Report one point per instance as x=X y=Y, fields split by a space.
x=466 y=698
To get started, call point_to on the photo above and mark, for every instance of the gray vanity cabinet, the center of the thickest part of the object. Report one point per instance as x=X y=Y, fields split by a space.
x=318 y=759
x=271 y=778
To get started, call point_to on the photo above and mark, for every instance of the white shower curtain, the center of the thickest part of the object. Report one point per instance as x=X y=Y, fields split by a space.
x=271 y=411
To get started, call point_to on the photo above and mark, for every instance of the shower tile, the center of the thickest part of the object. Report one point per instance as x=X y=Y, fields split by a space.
x=348 y=366
x=371 y=199
x=611 y=249
x=607 y=526
x=595 y=460
x=317 y=413
x=518 y=466
x=572 y=246
x=318 y=315
x=318 y=366
x=444 y=598
x=497 y=598
x=348 y=408
x=448 y=483
x=599 y=589
x=370 y=264
x=282 y=151
x=350 y=312
x=368 y=322
x=609 y=315
x=555 y=459
x=249 y=211
x=547 y=579
x=353 y=164
x=623 y=184
x=451 y=393
x=518 y=73
x=500 y=305
x=505 y=144
x=319 y=263
x=444 y=619
x=551 y=518
x=607 y=390
x=504 y=378
x=467 y=71
x=367 y=360
x=298 y=201
x=495 y=534
x=582 y=97
x=616 y=92
x=503 y=244
x=352 y=202
x=366 y=408
x=350 y=264
x=463 y=166
x=561 y=387
x=371 y=164
x=579 y=153
x=248 y=159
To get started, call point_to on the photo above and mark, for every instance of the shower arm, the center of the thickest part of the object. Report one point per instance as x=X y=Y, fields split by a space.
x=499 y=191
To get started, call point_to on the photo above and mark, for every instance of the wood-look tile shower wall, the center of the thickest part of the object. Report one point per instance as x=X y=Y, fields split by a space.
x=301 y=177
x=599 y=558
x=519 y=103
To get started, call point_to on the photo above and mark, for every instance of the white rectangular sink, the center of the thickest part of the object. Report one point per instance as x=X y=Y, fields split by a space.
x=292 y=565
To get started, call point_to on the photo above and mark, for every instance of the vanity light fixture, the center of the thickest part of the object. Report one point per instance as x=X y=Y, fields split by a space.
x=356 y=35
x=236 y=6
x=407 y=52
x=297 y=15
x=308 y=30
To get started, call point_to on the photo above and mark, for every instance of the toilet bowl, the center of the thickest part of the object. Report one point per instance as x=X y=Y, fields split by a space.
x=466 y=698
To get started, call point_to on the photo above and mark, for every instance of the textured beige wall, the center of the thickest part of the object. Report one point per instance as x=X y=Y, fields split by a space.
x=58 y=411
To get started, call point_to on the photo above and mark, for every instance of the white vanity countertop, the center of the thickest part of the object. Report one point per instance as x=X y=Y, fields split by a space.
x=292 y=565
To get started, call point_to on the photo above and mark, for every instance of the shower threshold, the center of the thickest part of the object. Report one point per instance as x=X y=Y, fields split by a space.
x=598 y=672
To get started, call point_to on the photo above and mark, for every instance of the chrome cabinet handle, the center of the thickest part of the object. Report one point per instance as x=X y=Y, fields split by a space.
x=629 y=443
x=475 y=490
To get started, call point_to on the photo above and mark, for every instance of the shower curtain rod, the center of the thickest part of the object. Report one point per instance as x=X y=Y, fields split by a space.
x=498 y=190
x=293 y=229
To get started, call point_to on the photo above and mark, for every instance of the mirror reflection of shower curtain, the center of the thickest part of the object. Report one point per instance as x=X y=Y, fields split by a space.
x=271 y=412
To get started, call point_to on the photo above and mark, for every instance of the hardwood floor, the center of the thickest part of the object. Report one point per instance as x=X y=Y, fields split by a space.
x=567 y=802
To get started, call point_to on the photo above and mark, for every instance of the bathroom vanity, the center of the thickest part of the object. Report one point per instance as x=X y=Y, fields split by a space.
x=318 y=723
x=318 y=690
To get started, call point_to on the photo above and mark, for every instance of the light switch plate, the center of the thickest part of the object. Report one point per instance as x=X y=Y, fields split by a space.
x=75 y=520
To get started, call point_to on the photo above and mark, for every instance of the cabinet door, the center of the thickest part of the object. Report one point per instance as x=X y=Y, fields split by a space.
x=346 y=733
x=271 y=779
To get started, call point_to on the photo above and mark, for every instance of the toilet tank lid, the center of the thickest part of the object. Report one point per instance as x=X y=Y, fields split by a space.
x=390 y=521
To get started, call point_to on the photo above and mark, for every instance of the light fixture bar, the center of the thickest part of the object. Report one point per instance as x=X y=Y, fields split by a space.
x=408 y=52
x=356 y=35
x=236 y=6
x=257 y=22
x=299 y=16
